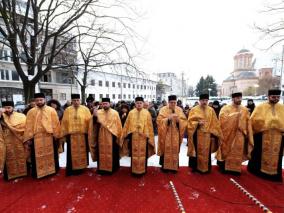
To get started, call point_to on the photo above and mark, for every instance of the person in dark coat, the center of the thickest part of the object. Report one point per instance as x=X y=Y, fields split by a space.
x=250 y=105
x=216 y=106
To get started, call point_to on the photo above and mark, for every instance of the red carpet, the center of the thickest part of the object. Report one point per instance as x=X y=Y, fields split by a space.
x=121 y=192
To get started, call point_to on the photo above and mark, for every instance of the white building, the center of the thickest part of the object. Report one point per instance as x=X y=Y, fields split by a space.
x=173 y=85
x=55 y=84
x=120 y=86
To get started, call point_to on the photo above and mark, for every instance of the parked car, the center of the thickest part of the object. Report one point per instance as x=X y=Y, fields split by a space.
x=20 y=106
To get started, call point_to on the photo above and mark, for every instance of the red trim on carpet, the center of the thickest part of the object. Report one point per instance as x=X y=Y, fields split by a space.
x=122 y=192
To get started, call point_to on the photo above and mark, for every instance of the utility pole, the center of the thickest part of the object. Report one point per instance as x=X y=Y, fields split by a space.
x=281 y=71
x=182 y=81
x=121 y=84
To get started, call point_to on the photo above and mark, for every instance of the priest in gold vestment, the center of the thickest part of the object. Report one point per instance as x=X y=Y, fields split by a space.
x=268 y=127
x=104 y=138
x=12 y=136
x=138 y=137
x=74 y=127
x=41 y=135
x=171 y=123
x=204 y=132
x=237 y=142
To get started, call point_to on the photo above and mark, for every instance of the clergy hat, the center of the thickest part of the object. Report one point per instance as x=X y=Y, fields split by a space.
x=75 y=96
x=204 y=96
x=39 y=95
x=237 y=94
x=216 y=103
x=7 y=103
x=105 y=100
x=139 y=99
x=172 y=98
x=274 y=92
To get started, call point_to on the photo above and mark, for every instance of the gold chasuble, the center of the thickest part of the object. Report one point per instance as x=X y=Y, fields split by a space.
x=74 y=126
x=170 y=135
x=268 y=127
x=42 y=127
x=138 y=136
x=12 y=134
x=237 y=142
x=104 y=140
x=2 y=150
x=202 y=139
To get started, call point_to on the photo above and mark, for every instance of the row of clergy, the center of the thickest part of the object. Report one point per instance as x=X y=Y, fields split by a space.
x=235 y=137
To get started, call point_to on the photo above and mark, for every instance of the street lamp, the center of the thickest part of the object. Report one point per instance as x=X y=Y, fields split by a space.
x=209 y=89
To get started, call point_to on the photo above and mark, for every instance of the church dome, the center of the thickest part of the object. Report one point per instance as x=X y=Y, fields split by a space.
x=243 y=51
x=247 y=75
x=243 y=75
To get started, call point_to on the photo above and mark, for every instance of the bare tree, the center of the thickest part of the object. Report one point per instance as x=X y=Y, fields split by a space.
x=267 y=83
x=190 y=91
x=33 y=30
x=250 y=91
x=100 y=49
x=105 y=43
x=273 y=32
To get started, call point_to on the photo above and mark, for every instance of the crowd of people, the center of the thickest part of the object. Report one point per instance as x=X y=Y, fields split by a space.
x=30 y=142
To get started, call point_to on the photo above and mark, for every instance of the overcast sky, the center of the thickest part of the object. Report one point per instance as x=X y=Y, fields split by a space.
x=199 y=37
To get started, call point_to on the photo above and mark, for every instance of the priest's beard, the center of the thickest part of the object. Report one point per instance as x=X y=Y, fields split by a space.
x=8 y=113
x=106 y=108
x=40 y=105
x=273 y=101
x=237 y=102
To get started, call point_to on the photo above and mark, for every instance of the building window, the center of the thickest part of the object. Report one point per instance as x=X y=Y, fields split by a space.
x=100 y=83
x=107 y=84
x=133 y=86
x=113 y=84
x=23 y=57
x=63 y=96
x=133 y=96
x=5 y=55
x=15 y=76
x=129 y=85
x=144 y=96
x=118 y=84
x=119 y=96
x=124 y=96
x=46 y=77
x=93 y=82
x=2 y=74
x=141 y=87
x=113 y=96
x=144 y=87
x=1 y=36
x=11 y=56
x=107 y=95
x=124 y=85
x=5 y=75
x=129 y=96
x=101 y=96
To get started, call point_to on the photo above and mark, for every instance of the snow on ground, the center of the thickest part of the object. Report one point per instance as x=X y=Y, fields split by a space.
x=152 y=161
